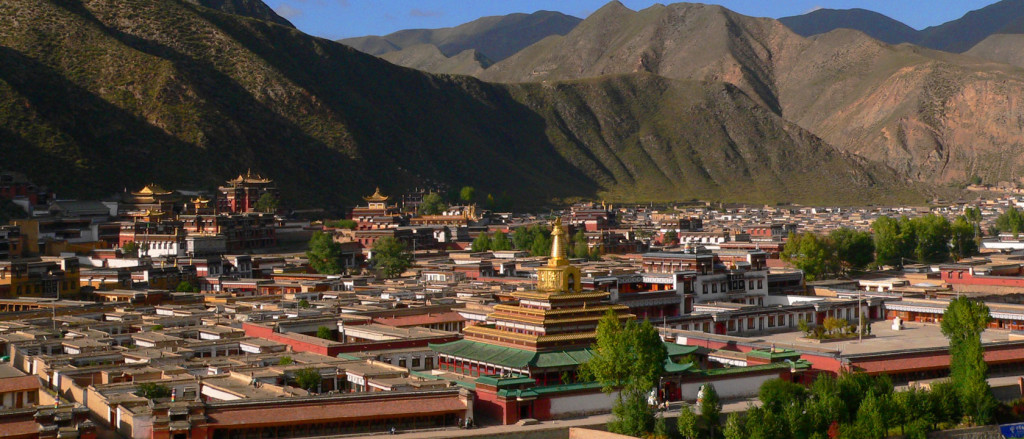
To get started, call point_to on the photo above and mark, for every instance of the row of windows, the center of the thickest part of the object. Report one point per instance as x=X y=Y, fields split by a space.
x=714 y=286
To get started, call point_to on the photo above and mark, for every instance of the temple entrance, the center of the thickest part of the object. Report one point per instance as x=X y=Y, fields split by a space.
x=524 y=411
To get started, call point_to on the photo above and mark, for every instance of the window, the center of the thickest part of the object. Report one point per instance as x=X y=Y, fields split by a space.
x=750 y=285
x=705 y=289
x=759 y=284
x=960 y=275
x=714 y=288
x=771 y=321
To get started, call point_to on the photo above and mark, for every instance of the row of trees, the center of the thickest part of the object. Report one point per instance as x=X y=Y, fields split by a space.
x=841 y=251
x=928 y=239
x=433 y=203
x=390 y=256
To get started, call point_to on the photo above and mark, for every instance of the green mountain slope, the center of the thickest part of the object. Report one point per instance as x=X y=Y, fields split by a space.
x=495 y=37
x=108 y=94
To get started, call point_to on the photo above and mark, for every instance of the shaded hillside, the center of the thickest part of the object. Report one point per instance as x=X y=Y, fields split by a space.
x=963 y=33
x=933 y=116
x=246 y=8
x=495 y=37
x=1002 y=48
x=428 y=58
x=875 y=25
x=1006 y=16
x=103 y=95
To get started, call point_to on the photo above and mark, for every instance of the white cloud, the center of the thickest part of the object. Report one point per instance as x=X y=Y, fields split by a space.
x=287 y=11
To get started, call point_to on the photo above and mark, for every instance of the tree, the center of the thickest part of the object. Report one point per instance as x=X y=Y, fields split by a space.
x=285 y=360
x=580 y=248
x=432 y=204
x=130 y=249
x=308 y=378
x=711 y=411
x=892 y=240
x=152 y=390
x=964 y=244
x=500 y=242
x=671 y=238
x=184 y=287
x=686 y=423
x=962 y=324
x=324 y=254
x=1010 y=221
x=467 y=194
x=391 y=256
x=324 y=333
x=342 y=224
x=871 y=418
x=811 y=253
x=482 y=242
x=660 y=428
x=776 y=394
x=303 y=303
x=266 y=203
x=628 y=358
x=933 y=236
x=854 y=249
x=734 y=427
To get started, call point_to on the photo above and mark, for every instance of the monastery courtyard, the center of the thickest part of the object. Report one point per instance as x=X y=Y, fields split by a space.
x=885 y=339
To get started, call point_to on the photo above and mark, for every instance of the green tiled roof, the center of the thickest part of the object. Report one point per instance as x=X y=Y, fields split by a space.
x=778 y=354
x=675 y=350
x=673 y=367
x=345 y=356
x=798 y=364
x=537 y=391
x=498 y=381
x=512 y=357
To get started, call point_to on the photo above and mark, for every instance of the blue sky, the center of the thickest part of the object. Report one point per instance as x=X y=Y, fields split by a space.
x=351 y=18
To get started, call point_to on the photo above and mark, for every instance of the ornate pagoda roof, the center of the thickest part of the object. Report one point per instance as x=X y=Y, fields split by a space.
x=377 y=197
x=152 y=189
x=249 y=177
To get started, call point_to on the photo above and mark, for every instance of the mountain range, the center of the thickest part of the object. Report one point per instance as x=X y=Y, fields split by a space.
x=671 y=102
x=104 y=95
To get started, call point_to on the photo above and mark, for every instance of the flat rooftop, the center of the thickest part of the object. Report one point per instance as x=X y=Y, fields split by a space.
x=913 y=336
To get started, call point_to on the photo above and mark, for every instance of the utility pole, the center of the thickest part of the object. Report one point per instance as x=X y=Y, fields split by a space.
x=861 y=321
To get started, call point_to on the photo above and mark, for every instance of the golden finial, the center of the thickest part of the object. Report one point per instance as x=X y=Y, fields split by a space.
x=558 y=245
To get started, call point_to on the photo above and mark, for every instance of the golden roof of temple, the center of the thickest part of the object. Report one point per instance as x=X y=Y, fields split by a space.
x=249 y=178
x=377 y=197
x=147 y=213
x=200 y=200
x=152 y=189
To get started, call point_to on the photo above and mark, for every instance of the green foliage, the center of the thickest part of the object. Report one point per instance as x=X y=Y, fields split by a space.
x=711 y=411
x=686 y=423
x=660 y=428
x=467 y=194
x=304 y=303
x=342 y=224
x=184 y=287
x=962 y=324
x=762 y=423
x=308 y=378
x=580 y=248
x=671 y=238
x=391 y=256
x=775 y=394
x=854 y=249
x=324 y=333
x=872 y=418
x=152 y=390
x=482 y=242
x=933 y=236
x=285 y=360
x=267 y=203
x=735 y=427
x=500 y=242
x=632 y=416
x=813 y=254
x=891 y=241
x=324 y=254
x=432 y=204
x=628 y=358
x=1011 y=221
x=535 y=239
x=963 y=235
x=130 y=249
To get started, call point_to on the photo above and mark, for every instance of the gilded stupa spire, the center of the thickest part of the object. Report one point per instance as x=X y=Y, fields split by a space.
x=559 y=243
